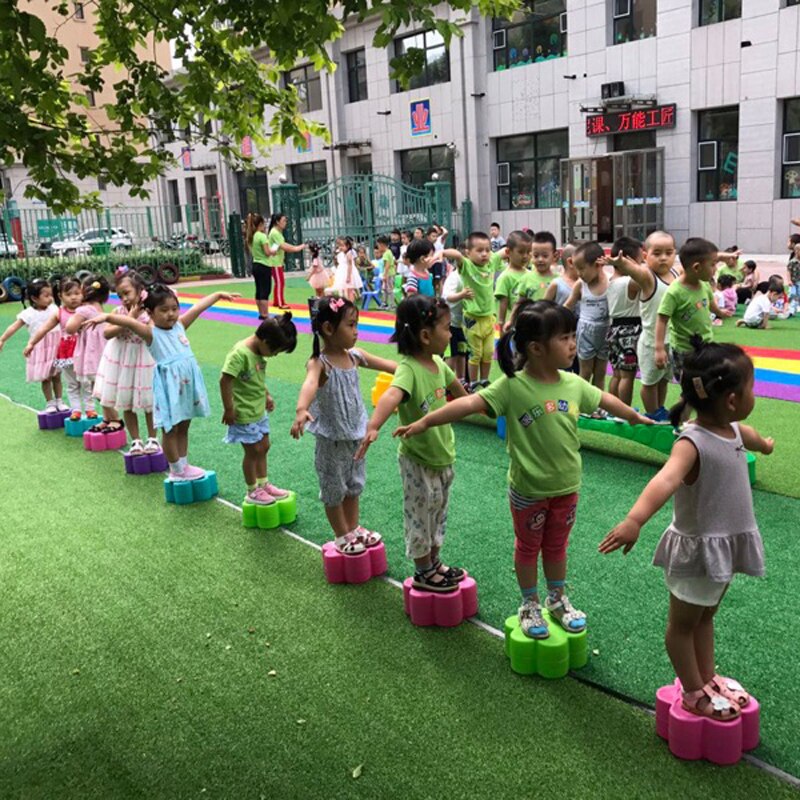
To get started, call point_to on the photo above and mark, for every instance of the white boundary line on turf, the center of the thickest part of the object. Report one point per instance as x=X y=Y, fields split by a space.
x=776 y=772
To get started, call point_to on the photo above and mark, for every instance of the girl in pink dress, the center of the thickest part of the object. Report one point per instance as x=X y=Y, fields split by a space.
x=40 y=367
x=318 y=277
x=125 y=374
x=91 y=342
x=69 y=295
x=347 y=281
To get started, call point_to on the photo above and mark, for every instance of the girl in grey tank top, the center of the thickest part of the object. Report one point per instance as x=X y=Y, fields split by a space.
x=331 y=406
x=713 y=533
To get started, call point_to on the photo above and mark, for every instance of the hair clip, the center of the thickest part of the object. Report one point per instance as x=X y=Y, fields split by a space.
x=122 y=269
x=335 y=303
x=700 y=390
x=143 y=295
x=95 y=284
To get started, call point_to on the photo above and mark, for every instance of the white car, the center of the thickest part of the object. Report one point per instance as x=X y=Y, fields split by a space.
x=8 y=247
x=118 y=238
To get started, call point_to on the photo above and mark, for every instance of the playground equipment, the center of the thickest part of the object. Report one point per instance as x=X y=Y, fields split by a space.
x=691 y=737
x=77 y=427
x=146 y=463
x=358 y=568
x=51 y=420
x=281 y=512
x=382 y=383
x=443 y=610
x=97 y=442
x=552 y=657
x=185 y=492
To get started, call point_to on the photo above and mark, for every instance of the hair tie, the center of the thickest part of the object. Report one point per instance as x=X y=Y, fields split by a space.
x=122 y=269
x=95 y=284
x=405 y=325
x=699 y=389
x=143 y=295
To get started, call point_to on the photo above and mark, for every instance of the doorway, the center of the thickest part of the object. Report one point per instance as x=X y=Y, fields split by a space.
x=618 y=194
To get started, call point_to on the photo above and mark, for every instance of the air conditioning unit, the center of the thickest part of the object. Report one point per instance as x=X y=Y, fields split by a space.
x=613 y=89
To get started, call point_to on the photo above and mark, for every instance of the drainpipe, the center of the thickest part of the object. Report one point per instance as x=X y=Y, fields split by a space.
x=464 y=113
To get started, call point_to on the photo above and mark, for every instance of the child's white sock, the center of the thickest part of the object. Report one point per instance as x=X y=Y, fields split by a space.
x=183 y=462
x=175 y=467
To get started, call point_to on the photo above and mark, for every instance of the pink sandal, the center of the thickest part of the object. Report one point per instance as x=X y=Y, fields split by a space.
x=730 y=689
x=717 y=707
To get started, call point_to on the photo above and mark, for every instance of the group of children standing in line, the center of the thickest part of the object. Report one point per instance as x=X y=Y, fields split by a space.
x=713 y=534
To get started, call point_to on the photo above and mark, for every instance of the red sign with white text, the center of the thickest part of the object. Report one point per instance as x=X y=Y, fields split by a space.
x=630 y=121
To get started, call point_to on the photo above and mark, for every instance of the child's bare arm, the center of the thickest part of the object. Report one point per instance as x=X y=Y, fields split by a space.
x=550 y=292
x=656 y=493
x=502 y=310
x=389 y=401
x=308 y=391
x=720 y=312
x=661 y=336
x=452 y=254
x=641 y=274
x=10 y=331
x=575 y=295
x=755 y=442
x=376 y=362
x=188 y=317
x=226 y=391
x=455 y=410
x=141 y=329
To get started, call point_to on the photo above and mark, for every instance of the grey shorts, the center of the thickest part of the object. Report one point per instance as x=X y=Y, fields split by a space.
x=592 y=340
x=651 y=374
x=339 y=474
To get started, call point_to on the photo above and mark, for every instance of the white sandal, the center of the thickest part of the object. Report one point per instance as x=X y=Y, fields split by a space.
x=137 y=448
x=151 y=446
x=349 y=545
x=570 y=619
x=367 y=538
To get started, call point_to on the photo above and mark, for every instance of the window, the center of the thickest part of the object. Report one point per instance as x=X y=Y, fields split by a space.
x=792 y=3
x=712 y=11
x=192 y=201
x=418 y=166
x=537 y=33
x=633 y=19
x=78 y=14
x=790 y=150
x=361 y=165
x=174 y=202
x=529 y=169
x=90 y=97
x=436 y=68
x=86 y=55
x=717 y=154
x=310 y=176
x=356 y=76
x=253 y=192
x=101 y=184
x=306 y=80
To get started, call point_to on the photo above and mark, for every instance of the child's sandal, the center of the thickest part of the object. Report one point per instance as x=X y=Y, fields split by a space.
x=730 y=689
x=455 y=574
x=367 y=538
x=349 y=547
x=716 y=707
x=101 y=427
x=136 y=448
x=433 y=581
x=114 y=425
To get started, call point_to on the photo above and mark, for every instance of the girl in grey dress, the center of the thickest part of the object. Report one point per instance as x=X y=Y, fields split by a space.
x=713 y=534
x=330 y=403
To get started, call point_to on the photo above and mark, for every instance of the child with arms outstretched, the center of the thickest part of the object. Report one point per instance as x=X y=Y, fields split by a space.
x=179 y=391
x=247 y=402
x=39 y=367
x=420 y=385
x=541 y=403
x=331 y=406
x=713 y=534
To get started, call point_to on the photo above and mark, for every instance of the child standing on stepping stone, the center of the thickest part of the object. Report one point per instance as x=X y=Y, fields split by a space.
x=420 y=385
x=541 y=403
x=330 y=404
x=247 y=402
x=713 y=533
x=179 y=392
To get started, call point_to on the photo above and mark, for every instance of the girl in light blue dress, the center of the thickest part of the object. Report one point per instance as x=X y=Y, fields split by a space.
x=179 y=392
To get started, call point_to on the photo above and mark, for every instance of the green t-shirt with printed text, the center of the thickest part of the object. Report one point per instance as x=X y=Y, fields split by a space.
x=275 y=240
x=542 y=430
x=689 y=312
x=425 y=391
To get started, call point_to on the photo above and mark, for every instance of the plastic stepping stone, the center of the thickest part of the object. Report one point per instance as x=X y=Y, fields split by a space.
x=359 y=568
x=97 y=442
x=691 y=737
x=552 y=657
x=445 y=610
x=52 y=420
x=183 y=493
x=77 y=427
x=145 y=463
x=281 y=512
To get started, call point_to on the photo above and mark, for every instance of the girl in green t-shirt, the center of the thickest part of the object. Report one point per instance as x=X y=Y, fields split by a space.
x=420 y=385
x=541 y=402
x=257 y=243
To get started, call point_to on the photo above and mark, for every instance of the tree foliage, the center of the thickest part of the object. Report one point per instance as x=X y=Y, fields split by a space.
x=233 y=53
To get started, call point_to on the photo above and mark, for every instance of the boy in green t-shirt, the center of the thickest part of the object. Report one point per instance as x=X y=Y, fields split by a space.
x=477 y=270
x=389 y=269
x=534 y=284
x=688 y=303
x=518 y=249
x=247 y=401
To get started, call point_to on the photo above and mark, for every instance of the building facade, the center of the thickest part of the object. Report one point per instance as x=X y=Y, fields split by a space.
x=590 y=118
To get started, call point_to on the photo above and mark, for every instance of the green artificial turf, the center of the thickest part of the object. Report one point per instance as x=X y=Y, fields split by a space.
x=140 y=639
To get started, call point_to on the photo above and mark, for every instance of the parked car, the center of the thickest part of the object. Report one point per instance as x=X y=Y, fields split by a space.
x=118 y=238
x=8 y=247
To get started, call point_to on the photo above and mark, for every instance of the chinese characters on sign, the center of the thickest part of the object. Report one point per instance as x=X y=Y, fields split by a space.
x=630 y=121
x=421 y=123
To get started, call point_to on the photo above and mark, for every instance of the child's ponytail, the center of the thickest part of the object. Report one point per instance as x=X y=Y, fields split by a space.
x=505 y=353
x=326 y=309
x=279 y=333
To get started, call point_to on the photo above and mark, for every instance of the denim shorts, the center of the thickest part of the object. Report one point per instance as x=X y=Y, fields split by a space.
x=248 y=433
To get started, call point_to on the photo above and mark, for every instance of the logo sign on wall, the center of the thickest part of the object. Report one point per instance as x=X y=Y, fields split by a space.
x=306 y=146
x=247 y=147
x=421 y=124
x=186 y=157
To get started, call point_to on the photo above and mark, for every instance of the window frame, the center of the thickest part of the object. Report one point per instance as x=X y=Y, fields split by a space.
x=719 y=159
x=534 y=161
x=617 y=16
x=720 y=13
x=85 y=54
x=426 y=81
x=309 y=76
x=530 y=25
x=406 y=175
x=79 y=12
x=91 y=97
x=785 y=165
x=352 y=71
x=316 y=182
